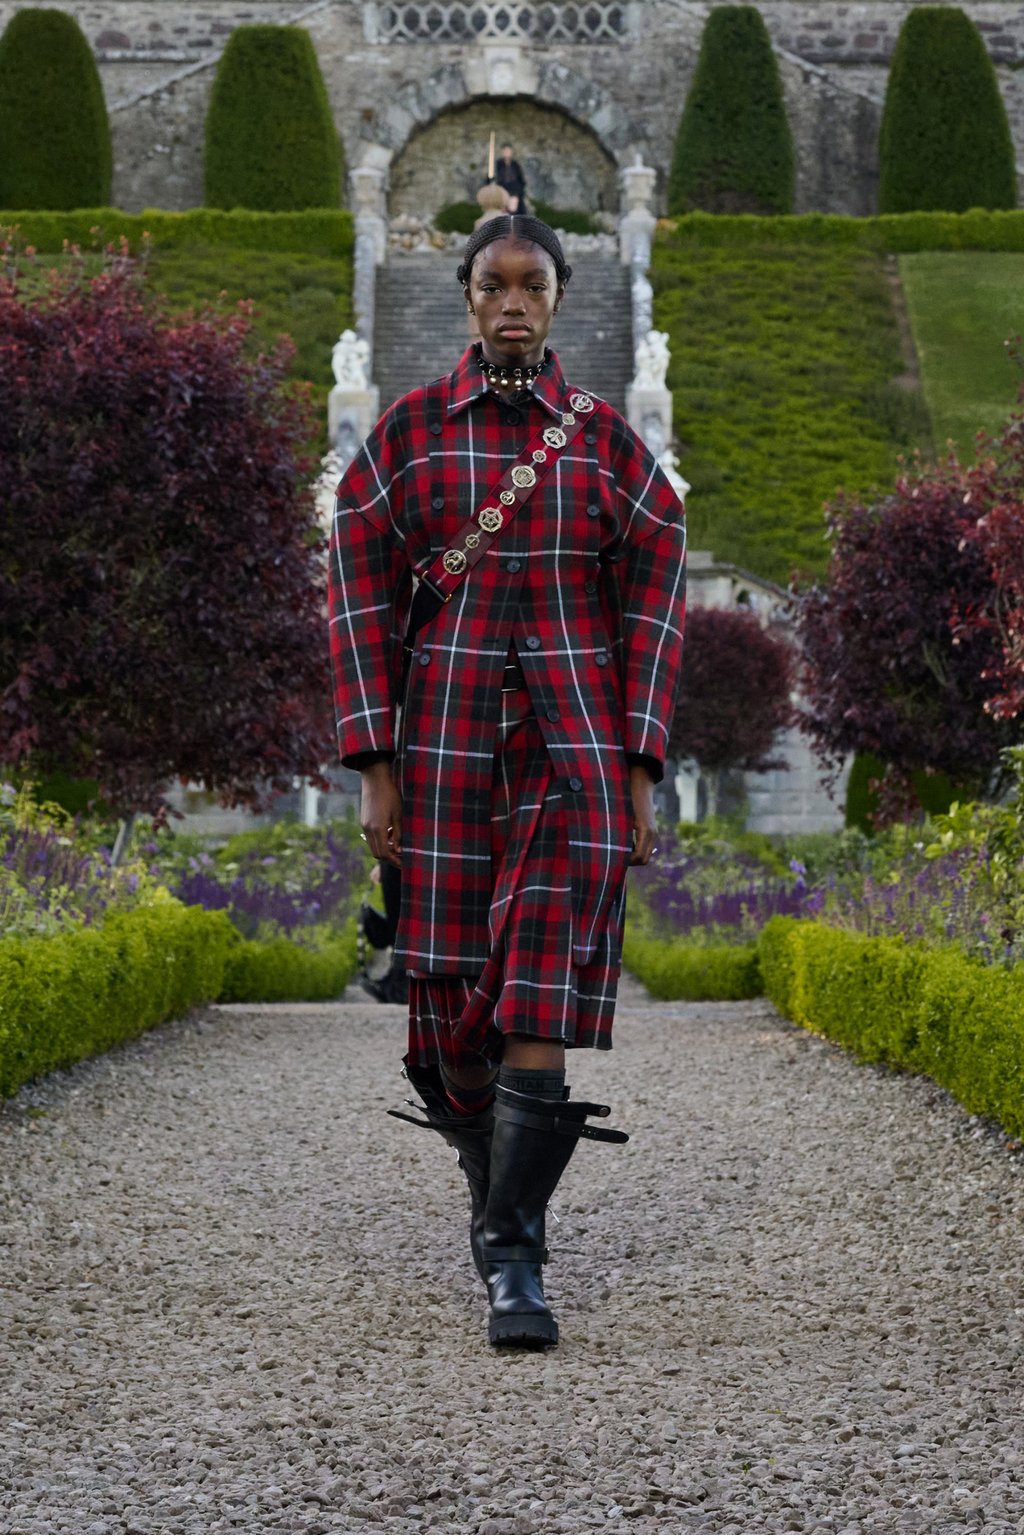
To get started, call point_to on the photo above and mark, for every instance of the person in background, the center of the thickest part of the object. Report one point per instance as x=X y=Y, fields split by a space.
x=508 y=173
x=379 y=930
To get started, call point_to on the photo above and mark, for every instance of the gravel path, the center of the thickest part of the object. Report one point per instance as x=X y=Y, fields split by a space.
x=237 y=1297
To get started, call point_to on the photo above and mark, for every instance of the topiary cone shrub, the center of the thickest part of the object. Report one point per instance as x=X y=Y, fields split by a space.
x=54 y=134
x=271 y=143
x=734 y=150
x=945 y=141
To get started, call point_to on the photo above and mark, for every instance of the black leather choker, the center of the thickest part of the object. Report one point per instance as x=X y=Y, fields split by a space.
x=510 y=375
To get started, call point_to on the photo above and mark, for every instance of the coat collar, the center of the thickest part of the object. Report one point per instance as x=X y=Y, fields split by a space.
x=466 y=384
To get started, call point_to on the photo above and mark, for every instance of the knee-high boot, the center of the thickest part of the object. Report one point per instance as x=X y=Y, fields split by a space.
x=469 y=1135
x=534 y=1139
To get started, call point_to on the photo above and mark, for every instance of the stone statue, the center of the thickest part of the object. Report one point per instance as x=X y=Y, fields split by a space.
x=669 y=462
x=652 y=356
x=350 y=361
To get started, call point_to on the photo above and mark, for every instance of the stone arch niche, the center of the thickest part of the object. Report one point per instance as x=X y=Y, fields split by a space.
x=445 y=161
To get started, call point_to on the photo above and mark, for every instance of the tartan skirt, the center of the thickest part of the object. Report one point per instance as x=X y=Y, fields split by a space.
x=529 y=984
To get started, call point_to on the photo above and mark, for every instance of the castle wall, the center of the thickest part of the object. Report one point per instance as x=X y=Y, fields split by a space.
x=625 y=82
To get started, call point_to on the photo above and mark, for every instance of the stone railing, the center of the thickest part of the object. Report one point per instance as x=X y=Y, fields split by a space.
x=467 y=21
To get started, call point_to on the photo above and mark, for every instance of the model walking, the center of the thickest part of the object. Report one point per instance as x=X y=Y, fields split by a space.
x=510 y=772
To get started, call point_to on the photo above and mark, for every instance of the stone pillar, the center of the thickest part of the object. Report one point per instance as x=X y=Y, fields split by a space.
x=636 y=226
x=368 y=183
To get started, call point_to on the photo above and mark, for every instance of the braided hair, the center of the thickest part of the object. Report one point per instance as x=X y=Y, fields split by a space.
x=524 y=229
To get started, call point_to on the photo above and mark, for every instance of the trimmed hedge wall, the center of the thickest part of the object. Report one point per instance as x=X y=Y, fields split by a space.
x=693 y=972
x=281 y=971
x=734 y=149
x=79 y=993
x=927 y=1010
x=54 y=135
x=945 y=140
x=315 y=232
x=270 y=136
x=979 y=229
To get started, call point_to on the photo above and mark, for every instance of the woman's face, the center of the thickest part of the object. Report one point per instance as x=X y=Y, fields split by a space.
x=514 y=295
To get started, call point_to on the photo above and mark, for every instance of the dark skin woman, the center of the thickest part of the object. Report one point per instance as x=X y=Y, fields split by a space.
x=509 y=772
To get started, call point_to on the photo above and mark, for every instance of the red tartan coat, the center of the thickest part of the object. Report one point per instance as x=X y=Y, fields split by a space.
x=588 y=581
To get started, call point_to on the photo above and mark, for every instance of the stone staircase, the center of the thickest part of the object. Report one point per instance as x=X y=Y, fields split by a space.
x=420 y=330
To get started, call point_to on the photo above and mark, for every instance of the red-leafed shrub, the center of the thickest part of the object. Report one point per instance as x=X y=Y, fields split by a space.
x=161 y=572
x=735 y=692
x=890 y=665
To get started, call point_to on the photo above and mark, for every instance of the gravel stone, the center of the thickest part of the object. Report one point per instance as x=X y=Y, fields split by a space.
x=235 y=1296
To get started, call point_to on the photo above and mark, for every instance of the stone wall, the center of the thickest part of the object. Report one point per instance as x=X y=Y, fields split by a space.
x=623 y=89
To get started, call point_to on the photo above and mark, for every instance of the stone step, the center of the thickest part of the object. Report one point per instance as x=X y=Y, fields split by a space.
x=421 y=331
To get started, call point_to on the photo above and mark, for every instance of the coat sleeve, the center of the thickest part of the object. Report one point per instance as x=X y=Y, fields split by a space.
x=368 y=585
x=651 y=572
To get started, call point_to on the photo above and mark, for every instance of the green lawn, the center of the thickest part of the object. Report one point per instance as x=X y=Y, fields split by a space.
x=783 y=366
x=963 y=306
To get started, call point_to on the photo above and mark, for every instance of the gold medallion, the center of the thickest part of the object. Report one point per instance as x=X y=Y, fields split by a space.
x=490 y=519
x=581 y=402
x=472 y=539
x=508 y=498
x=454 y=562
x=539 y=456
x=568 y=419
x=554 y=437
x=524 y=476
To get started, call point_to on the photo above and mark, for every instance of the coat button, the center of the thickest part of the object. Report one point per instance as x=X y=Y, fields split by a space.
x=575 y=784
x=513 y=566
x=424 y=658
x=553 y=715
x=532 y=642
x=593 y=510
x=438 y=503
x=590 y=587
x=512 y=417
x=435 y=428
x=601 y=658
x=590 y=437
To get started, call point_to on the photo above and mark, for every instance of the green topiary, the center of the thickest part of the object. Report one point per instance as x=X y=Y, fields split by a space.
x=271 y=143
x=945 y=142
x=734 y=150
x=54 y=134
x=861 y=799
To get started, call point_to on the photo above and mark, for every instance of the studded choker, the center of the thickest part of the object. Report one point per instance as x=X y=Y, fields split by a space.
x=510 y=375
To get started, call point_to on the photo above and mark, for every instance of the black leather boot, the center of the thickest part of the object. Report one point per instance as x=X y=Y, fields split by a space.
x=534 y=1139
x=469 y=1135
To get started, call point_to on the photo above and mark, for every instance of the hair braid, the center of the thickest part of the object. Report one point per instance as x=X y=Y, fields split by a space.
x=521 y=227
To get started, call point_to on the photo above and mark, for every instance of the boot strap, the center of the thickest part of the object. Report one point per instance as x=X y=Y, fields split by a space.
x=514 y=1254
x=442 y=1126
x=558 y=1118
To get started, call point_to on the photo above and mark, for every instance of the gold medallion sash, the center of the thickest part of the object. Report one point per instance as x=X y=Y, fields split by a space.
x=504 y=499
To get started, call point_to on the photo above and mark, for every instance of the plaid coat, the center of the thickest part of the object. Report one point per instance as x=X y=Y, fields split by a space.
x=588 y=582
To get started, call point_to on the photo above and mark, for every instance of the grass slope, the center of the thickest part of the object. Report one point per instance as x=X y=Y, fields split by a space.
x=783 y=366
x=963 y=306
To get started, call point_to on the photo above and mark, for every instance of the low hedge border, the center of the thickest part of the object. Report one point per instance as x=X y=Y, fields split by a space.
x=694 y=972
x=281 y=971
x=979 y=229
x=76 y=994
x=315 y=232
x=933 y=1011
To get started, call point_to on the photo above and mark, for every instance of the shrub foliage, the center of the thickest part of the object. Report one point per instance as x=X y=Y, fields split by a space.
x=161 y=572
x=54 y=134
x=271 y=142
x=945 y=141
x=734 y=693
x=734 y=150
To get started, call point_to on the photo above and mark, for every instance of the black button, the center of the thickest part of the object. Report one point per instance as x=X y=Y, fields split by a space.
x=435 y=428
x=590 y=437
x=513 y=417
x=532 y=642
x=593 y=510
x=601 y=658
x=438 y=503
x=590 y=587
x=424 y=658
x=553 y=715
x=575 y=784
x=513 y=566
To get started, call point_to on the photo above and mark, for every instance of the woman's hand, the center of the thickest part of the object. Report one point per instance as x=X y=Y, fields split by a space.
x=380 y=813
x=645 y=831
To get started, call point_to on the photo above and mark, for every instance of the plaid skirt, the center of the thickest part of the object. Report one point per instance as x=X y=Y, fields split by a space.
x=529 y=984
